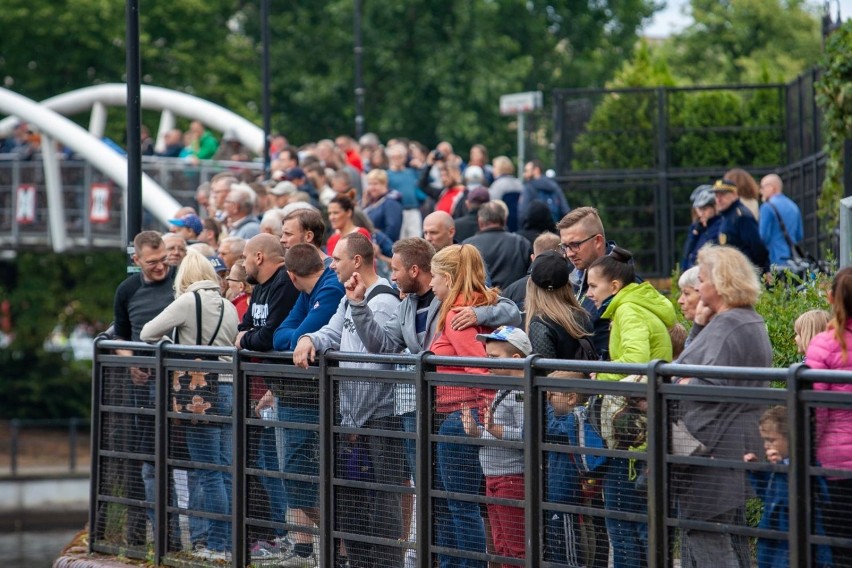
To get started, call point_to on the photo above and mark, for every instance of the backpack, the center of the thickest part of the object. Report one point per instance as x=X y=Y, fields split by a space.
x=589 y=467
x=380 y=289
x=585 y=352
x=622 y=425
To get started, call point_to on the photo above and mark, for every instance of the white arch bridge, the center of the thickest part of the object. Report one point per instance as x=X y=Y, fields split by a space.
x=78 y=203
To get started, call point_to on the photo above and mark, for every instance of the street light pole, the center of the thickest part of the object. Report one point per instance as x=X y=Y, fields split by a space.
x=359 y=80
x=267 y=111
x=133 y=62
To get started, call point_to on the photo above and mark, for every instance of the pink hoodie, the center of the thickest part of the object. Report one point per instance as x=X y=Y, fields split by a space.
x=833 y=436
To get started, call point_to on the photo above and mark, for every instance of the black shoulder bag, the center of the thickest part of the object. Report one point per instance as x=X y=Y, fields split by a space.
x=801 y=263
x=195 y=391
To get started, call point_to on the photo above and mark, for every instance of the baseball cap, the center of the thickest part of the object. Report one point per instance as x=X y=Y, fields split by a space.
x=725 y=185
x=550 y=270
x=190 y=221
x=218 y=264
x=479 y=195
x=473 y=175
x=295 y=173
x=512 y=335
x=283 y=188
x=703 y=196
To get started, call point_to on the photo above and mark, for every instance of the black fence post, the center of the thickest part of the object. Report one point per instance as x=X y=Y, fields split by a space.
x=656 y=455
x=95 y=533
x=847 y=167
x=239 y=509
x=532 y=464
x=161 y=468
x=797 y=416
x=326 y=463
x=426 y=457
x=662 y=246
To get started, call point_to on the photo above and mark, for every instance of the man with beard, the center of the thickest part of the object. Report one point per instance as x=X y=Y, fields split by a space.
x=304 y=226
x=365 y=405
x=139 y=299
x=273 y=297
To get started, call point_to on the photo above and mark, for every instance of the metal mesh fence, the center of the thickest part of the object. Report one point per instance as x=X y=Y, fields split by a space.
x=381 y=461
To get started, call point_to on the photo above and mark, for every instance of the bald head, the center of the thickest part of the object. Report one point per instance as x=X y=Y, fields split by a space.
x=439 y=229
x=267 y=244
x=770 y=185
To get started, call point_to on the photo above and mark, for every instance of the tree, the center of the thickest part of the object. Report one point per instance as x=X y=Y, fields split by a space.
x=834 y=97
x=46 y=290
x=737 y=41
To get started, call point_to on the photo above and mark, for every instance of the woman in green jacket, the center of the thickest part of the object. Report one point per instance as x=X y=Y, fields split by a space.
x=641 y=319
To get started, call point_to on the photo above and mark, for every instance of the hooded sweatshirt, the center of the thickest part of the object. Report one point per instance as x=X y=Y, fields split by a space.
x=641 y=318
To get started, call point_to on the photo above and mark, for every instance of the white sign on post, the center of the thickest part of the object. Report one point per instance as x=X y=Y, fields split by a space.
x=517 y=103
x=100 y=203
x=26 y=210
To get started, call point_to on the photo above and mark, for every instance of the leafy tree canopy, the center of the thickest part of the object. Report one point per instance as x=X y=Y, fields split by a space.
x=433 y=69
x=738 y=41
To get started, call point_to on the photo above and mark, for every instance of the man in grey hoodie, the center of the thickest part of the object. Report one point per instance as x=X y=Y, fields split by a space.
x=364 y=405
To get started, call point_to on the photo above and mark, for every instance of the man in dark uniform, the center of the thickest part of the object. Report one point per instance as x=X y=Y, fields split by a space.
x=739 y=227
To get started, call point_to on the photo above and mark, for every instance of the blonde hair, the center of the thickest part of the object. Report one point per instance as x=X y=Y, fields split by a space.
x=560 y=306
x=465 y=270
x=810 y=324
x=194 y=268
x=378 y=175
x=732 y=274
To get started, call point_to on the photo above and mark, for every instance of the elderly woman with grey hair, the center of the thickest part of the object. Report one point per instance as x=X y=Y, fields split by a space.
x=735 y=336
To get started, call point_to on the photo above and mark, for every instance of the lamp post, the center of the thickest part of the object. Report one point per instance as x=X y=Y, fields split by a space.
x=265 y=103
x=359 y=81
x=134 y=122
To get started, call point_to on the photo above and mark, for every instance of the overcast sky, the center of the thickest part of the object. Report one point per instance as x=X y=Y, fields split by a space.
x=672 y=18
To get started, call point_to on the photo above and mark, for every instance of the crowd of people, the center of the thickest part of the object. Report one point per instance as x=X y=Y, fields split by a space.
x=367 y=249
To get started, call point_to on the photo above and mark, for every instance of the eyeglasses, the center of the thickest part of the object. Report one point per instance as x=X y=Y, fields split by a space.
x=575 y=245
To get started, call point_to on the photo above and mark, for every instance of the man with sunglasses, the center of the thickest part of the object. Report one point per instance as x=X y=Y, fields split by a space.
x=583 y=242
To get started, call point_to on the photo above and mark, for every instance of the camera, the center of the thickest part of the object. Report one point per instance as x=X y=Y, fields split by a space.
x=437 y=154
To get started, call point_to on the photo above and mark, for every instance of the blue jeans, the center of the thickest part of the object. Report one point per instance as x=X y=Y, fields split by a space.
x=301 y=457
x=409 y=424
x=629 y=539
x=197 y=525
x=212 y=444
x=267 y=460
x=458 y=524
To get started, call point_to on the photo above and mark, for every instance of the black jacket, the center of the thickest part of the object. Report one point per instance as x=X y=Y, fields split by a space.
x=270 y=304
x=506 y=255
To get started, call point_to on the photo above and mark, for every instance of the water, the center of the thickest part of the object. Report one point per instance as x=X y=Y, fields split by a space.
x=33 y=549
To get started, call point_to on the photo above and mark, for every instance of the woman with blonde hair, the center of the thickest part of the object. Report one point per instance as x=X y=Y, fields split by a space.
x=202 y=316
x=555 y=321
x=458 y=281
x=735 y=336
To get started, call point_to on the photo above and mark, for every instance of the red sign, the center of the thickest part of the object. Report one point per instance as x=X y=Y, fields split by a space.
x=25 y=209
x=100 y=202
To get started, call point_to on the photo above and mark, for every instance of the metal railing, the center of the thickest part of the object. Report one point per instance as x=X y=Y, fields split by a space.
x=22 y=429
x=90 y=223
x=122 y=445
